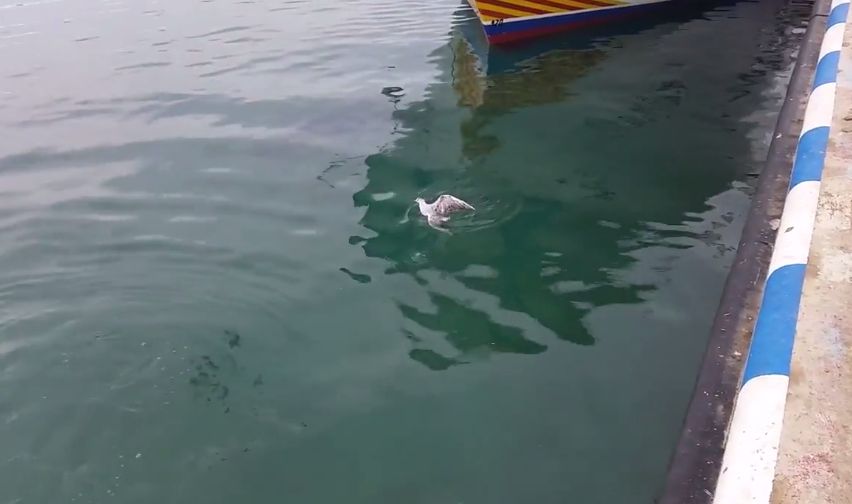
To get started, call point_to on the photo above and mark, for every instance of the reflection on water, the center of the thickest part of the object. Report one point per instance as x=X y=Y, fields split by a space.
x=545 y=80
x=555 y=227
x=215 y=286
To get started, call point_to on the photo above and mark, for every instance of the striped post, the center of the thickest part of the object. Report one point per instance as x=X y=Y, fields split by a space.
x=751 y=451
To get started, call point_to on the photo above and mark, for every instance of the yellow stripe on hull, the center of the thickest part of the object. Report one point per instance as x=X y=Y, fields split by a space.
x=534 y=5
x=489 y=10
x=504 y=12
x=572 y=4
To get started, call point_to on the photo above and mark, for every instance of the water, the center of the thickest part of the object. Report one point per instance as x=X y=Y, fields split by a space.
x=214 y=286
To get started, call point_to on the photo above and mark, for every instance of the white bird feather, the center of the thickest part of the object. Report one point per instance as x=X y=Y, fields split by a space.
x=439 y=211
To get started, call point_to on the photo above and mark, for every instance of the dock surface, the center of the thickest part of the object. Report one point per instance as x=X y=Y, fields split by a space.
x=815 y=453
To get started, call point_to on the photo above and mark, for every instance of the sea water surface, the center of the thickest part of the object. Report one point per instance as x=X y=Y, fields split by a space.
x=214 y=286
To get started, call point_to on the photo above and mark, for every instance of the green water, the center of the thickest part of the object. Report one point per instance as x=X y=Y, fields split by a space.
x=214 y=286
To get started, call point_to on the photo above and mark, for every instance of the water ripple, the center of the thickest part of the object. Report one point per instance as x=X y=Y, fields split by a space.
x=211 y=264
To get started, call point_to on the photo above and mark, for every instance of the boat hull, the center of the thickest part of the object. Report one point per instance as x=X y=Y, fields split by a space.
x=512 y=20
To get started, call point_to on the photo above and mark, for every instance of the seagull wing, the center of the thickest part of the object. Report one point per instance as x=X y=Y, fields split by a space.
x=447 y=204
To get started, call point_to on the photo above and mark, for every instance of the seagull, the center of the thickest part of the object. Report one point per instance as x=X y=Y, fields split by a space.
x=439 y=211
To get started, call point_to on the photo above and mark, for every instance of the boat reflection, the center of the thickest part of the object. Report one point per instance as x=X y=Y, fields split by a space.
x=578 y=165
x=540 y=254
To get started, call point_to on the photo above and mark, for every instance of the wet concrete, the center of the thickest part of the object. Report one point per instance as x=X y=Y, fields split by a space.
x=815 y=457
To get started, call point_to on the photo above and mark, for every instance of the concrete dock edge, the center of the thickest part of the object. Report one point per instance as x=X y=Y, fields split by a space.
x=697 y=459
x=751 y=450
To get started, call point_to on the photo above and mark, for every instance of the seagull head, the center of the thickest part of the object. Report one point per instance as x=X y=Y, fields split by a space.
x=419 y=200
